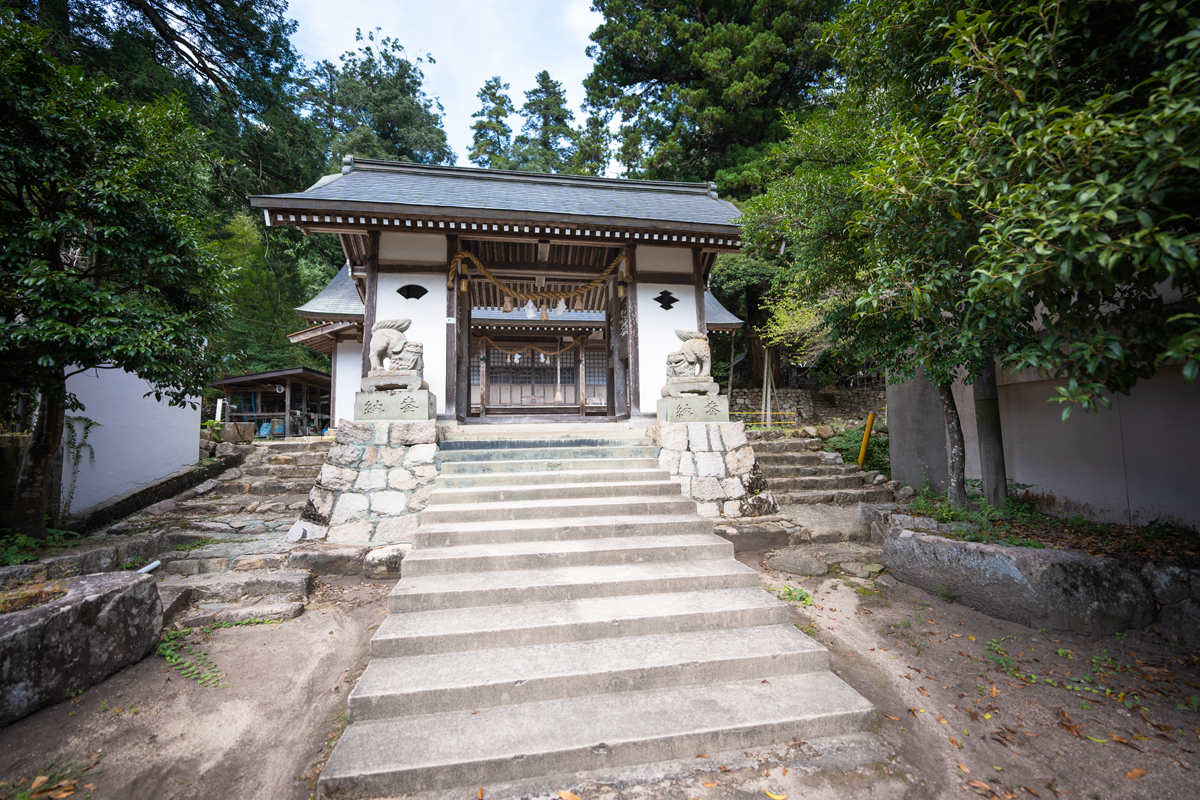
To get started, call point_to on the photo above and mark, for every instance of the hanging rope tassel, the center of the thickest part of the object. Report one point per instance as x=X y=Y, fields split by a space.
x=578 y=304
x=545 y=315
x=508 y=304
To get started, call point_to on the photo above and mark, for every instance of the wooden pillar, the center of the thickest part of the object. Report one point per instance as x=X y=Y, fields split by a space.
x=333 y=384
x=610 y=395
x=635 y=380
x=257 y=408
x=372 y=294
x=483 y=387
x=451 y=329
x=698 y=278
x=580 y=381
x=228 y=413
x=732 y=334
x=463 y=381
x=287 y=409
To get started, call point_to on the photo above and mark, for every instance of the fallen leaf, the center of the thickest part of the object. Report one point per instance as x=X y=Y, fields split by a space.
x=963 y=767
x=711 y=784
x=785 y=770
x=90 y=787
x=894 y=719
x=1009 y=794
x=768 y=773
x=959 y=635
x=921 y=689
x=955 y=743
x=941 y=720
x=702 y=756
x=479 y=794
x=61 y=794
x=1135 y=774
x=981 y=787
x=775 y=796
x=995 y=691
x=1031 y=791
x=723 y=769
x=972 y=638
x=1180 y=763
x=39 y=782
x=567 y=795
x=1098 y=741
x=912 y=711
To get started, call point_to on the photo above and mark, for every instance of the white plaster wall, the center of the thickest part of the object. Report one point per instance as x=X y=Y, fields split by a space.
x=347 y=368
x=412 y=247
x=656 y=333
x=665 y=259
x=428 y=315
x=139 y=440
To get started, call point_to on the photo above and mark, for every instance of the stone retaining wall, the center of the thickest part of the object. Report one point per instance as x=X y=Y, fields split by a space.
x=375 y=480
x=1061 y=589
x=714 y=465
x=815 y=405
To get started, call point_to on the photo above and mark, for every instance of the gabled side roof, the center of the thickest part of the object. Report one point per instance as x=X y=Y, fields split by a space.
x=366 y=185
x=337 y=301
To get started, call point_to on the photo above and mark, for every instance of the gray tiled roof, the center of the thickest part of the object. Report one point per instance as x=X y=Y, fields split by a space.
x=338 y=300
x=432 y=189
x=716 y=316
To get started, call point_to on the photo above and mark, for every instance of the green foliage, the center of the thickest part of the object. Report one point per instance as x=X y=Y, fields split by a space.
x=18 y=548
x=849 y=444
x=102 y=262
x=373 y=105
x=701 y=87
x=793 y=594
x=62 y=773
x=491 y=136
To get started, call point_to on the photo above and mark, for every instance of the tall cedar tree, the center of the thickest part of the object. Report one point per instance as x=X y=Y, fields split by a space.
x=546 y=137
x=491 y=136
x=100 y=260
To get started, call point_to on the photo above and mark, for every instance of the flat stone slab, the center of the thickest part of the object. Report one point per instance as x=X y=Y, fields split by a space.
x=1039 y=588
x=227 y=587
x=328 y=559
x=859 y=560
x=102 y=624
x=798 y=564
x=274 y=612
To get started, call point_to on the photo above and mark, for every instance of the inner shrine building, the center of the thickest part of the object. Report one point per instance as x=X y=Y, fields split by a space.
x=536 y=297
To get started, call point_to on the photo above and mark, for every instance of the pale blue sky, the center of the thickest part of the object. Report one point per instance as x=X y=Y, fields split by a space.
x=471 y=40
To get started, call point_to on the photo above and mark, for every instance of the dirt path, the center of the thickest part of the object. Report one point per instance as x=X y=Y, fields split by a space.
x=163 y=736
x=947 y=701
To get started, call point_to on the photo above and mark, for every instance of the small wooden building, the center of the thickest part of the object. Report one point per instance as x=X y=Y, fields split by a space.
x=633 y=256
x=293 y=402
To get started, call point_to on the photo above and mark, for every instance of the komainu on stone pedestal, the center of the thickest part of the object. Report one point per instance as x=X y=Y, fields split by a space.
x=691 y=395
x=394 y=389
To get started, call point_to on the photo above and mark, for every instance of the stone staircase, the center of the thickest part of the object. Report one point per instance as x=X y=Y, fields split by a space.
x=798 y=473
x=273 y=479
x=564 y=608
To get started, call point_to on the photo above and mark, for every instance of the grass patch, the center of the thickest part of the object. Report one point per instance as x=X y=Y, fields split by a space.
x=200 y=543
x=793 y=594
x=16 y=548
x=31 y=594
x=849 y=443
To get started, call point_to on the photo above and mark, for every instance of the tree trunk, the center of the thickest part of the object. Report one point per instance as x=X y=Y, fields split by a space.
x=29 y=513
x=956 y=451
x=991 y=436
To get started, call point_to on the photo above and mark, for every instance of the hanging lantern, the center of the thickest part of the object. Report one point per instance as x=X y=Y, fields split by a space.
x=508 y=304
x=530 y=310
x=560 y=308
x=545 y=314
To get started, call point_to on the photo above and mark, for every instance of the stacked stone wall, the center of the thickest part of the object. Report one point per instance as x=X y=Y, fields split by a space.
x=815 y=405
x=714 y=465
x=376 y=479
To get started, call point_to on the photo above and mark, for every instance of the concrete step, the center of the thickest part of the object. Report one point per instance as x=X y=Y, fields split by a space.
x=776 y=471
x=441 y=751
x=558 y=430
x=816 y=482
x=228 y=587
x=432 y=684
x=548 y=585
x=662 y=487
x=544 y=465
x=282 y=471
x=448 y=534
x=459 y=630
x=489 y=557
x=294 y=446
x=556 y=509
x=547 y=477
x=839 y=497
x=548 y=453
x=269 y=486
x=786 y=446
x=789 y=459
x=537 y=441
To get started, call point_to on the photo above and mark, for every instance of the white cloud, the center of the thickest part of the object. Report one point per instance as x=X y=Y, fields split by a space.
x=470 y=40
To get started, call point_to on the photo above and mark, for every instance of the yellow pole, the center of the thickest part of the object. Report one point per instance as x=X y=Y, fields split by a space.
x=862 y=453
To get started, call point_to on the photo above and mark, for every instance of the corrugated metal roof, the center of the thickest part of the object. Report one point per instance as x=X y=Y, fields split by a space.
x=566 y=197
x=338 y=300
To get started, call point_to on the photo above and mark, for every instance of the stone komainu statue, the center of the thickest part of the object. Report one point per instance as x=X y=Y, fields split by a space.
x=388 y=341
x=693 y=360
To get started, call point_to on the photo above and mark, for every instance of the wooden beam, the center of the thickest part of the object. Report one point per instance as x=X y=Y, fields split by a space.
x=635 y=385
x=372 y=294
x=698 y=277
x=451 y=329
x=543 y=251
x=674 y=278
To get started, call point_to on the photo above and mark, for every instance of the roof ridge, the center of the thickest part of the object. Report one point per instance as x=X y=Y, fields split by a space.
x=353 y=164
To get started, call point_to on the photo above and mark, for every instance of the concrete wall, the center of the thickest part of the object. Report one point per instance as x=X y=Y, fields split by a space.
x=1131 y=464
x=138 y=440
x=656 y=333
x=428 y=314
x=347 y=369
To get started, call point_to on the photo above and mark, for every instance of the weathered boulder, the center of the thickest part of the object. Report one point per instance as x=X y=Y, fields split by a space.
x=328 y=559
x=796 y=563
x=384 y=562
x=1038 y=588
x=103 y=623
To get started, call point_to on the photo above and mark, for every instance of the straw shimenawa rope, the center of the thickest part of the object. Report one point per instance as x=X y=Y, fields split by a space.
x=511 y=292
x=524 y=348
